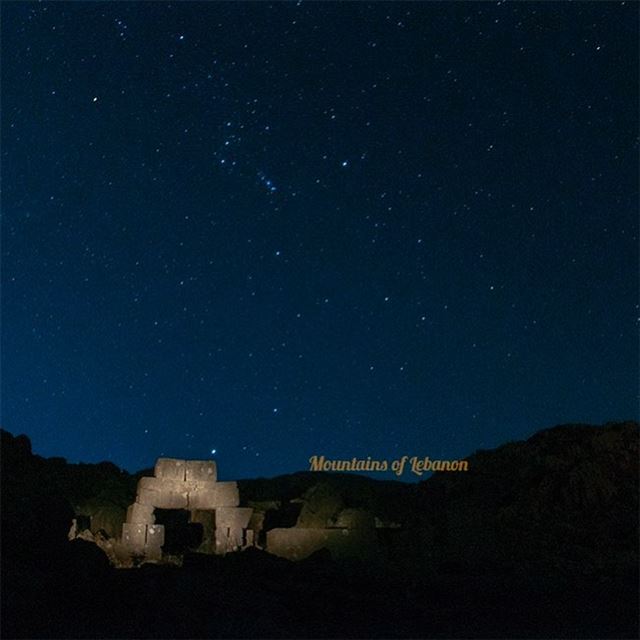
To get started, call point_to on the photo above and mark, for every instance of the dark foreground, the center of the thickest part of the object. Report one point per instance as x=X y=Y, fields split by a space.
x=539 y=541
x=253 y=595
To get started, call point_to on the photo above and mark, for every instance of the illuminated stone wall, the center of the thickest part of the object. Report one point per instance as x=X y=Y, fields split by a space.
x=191 y=485
x=352 y=534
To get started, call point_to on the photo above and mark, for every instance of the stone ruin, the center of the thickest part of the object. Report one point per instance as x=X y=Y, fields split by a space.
x=323 y=522
x=351 y=535
x=191 y=485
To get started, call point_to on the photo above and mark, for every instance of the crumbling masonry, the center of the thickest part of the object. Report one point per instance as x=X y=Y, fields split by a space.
x=190 y=485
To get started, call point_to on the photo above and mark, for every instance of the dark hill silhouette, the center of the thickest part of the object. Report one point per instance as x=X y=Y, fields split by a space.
x=565 y=501
x=537 y=539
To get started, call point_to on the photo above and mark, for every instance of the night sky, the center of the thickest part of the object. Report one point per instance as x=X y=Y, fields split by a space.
x=275 y=230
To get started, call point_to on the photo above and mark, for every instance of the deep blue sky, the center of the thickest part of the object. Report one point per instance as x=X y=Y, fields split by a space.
x=288 y=229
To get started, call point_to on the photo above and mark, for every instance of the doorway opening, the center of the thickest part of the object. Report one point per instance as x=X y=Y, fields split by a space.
x=180 y=535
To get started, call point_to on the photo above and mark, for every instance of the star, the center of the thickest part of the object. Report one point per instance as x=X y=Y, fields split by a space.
x=418 y=192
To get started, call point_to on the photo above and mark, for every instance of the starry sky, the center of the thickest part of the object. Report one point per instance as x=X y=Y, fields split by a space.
x=274 y=230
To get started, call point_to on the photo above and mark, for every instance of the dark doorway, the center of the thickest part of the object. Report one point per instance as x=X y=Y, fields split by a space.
x=180 y=535
x=82 y=522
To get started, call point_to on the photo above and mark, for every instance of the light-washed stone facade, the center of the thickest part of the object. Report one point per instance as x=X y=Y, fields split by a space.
x=191 y=485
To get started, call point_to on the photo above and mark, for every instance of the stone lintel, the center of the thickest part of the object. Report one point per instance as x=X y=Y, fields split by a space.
x=163 y=499
x=169 y=484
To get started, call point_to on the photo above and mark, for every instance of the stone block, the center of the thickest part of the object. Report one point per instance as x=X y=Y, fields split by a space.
x=236 y=537
x=146 y=497
x=223 y=494
x=223 y=542
x=201 y=471
x=163 y=499
x=134 y=535
x=152 y=554
x=196 y=486
x=205 y=499
x=140 y=514
x=170 y=468
x=231 y=523
x=227 y=494
x=233 y=517
x=155 y=535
